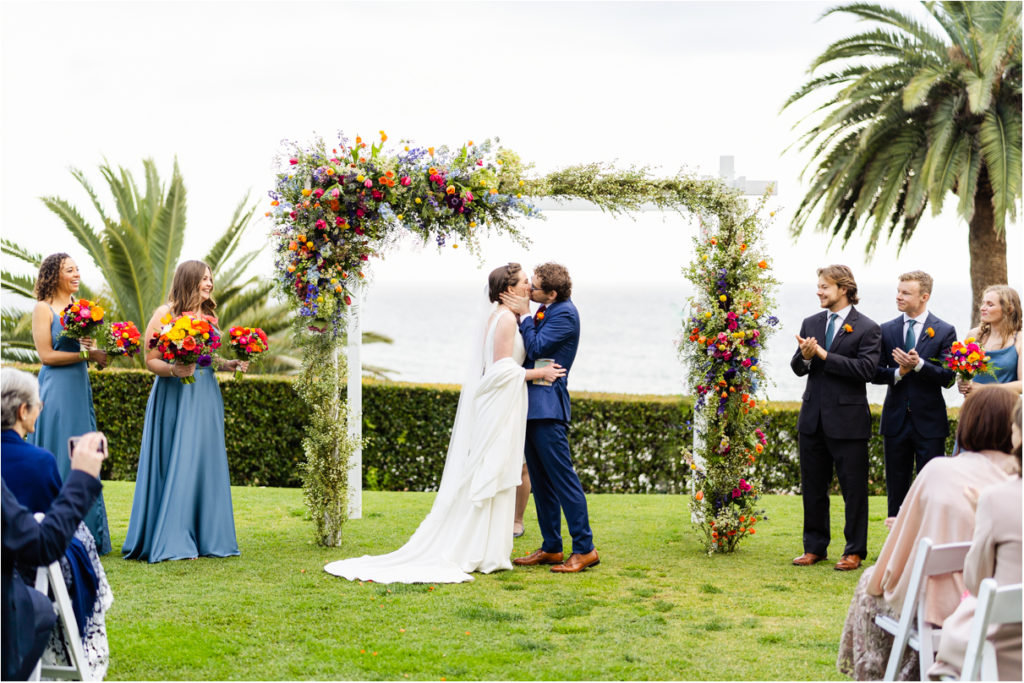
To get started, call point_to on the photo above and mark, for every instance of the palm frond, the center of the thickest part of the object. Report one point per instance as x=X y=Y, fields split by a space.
x=22 y=285
x=225 y=247
x=81 y=230
x=168 y=234
x=1000 y=137
x=21 y=253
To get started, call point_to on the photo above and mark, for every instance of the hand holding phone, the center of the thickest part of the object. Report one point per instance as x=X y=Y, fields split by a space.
x=87 y=452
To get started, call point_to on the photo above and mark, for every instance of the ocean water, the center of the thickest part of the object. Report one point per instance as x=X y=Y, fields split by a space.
x=629 y=333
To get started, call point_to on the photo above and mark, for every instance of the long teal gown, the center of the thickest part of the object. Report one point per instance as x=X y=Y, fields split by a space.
x=67 y=411
x=182 y=505
x=1005 y=362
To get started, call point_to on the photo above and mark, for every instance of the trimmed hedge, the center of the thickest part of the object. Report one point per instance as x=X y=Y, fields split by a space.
x=621 y=443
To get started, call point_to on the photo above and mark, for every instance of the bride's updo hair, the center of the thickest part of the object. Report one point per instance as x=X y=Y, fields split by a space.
x=501 y=279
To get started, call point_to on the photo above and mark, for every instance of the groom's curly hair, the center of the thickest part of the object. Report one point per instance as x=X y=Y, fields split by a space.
x=554 y=277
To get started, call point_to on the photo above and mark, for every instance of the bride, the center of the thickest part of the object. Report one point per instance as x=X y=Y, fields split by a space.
x=468 y=527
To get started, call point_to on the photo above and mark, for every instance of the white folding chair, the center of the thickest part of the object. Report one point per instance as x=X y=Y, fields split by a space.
x=913 y=629
x=50 y=582
x=995 y=606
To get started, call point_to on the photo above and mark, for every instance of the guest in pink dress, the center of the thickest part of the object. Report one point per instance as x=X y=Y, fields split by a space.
x=939 y=506
x=995 y=553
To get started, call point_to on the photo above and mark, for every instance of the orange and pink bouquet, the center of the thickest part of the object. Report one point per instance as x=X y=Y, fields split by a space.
x=186 y=339
x=968 y=359
x=80 y=319
x=247 y=342
x=124 y=339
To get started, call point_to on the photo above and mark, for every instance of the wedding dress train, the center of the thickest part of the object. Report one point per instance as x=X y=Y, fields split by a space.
x=469 y=527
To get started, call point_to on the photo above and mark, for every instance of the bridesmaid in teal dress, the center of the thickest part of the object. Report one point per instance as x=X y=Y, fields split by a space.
x=182 y=504
x=64 y=378
x=1000 y=335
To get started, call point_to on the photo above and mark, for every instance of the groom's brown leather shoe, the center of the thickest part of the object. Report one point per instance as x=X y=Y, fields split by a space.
x=807 y=559
x=577 y=562
x=538 y=557
x=848 y=563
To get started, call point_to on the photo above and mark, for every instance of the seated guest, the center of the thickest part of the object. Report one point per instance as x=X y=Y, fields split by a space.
x=995 y=553
x=938 y=506
x=28 y=615
x=31 y=475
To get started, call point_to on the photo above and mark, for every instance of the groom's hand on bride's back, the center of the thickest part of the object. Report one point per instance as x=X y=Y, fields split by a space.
x=520 y=305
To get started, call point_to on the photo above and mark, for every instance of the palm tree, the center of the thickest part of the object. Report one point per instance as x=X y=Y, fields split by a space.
x=137 y=253
x=912 y=114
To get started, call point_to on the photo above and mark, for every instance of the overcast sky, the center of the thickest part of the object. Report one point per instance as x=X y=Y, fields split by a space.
x=219 y=84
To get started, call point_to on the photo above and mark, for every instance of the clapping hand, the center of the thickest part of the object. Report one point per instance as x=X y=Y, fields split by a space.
x=808 y=347
x=520 y=305
x=907 y=360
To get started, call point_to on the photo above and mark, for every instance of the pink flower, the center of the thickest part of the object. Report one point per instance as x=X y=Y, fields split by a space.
x=368 y=183
x=339 y=221
x=479 y=162
x=293 y=161
x=469 y=196
x=377 y=194
x=335 y=193
x=406 y=180
x=321 y=224
x=318 y=193
x=736 y=493
x=292 y=215
x=359 y=231
x=360 y=212
x=364 y=257
x=746 y=363
x=744 y=485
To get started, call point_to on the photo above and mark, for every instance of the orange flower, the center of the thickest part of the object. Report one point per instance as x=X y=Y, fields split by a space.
x=759 y=448
x=97 y=313
x=848 y=328
x=762 y=264
x=383 y=136
x=430 y=151
x=930 y=332
x=451 y=189
x=699 y=495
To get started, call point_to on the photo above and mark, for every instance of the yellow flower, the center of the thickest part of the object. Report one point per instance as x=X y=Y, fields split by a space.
x=708 y=314
x=400 y=216
x=723 y=297
x=306 y=192
x=419 y=201
x=166 y=319
x=359 y=177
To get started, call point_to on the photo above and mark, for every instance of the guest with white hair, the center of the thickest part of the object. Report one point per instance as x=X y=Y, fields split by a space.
x=31 y=475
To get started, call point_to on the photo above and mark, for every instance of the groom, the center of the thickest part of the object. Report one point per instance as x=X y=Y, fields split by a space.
x=553 y=332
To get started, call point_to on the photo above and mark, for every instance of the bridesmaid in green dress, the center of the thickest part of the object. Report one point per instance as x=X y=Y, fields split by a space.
x=64 y=378
x=1000 y=335
x=182 y=504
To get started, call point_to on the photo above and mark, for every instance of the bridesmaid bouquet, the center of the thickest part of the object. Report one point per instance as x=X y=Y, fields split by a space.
x=186 y=339
x=79 y=319
x=123 y=339
x=968 y=360
x=247 y=342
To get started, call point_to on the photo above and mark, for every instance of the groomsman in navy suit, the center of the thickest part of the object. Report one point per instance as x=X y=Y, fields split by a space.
x=835 y=423
x=914 y=424
x=553 y=332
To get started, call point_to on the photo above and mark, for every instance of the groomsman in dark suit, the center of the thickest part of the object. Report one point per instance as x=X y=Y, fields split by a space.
x=835 y=423
x=914 y=424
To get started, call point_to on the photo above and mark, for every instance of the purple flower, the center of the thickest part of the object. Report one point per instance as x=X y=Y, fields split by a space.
x=204 y=361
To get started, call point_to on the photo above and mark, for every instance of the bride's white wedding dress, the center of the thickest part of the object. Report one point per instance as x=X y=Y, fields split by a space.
x=469 y=527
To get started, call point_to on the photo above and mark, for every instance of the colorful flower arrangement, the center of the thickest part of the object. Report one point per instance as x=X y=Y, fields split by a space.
x=334 y=209
x=123 y=339
x=722 y=344
x=247 y=343
x=184 y=340
x=81 y=319
x=968 y=359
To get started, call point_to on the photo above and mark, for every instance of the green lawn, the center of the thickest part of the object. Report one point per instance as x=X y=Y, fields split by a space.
x=656 y=607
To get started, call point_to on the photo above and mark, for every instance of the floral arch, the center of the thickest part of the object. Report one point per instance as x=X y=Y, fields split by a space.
x=337 y=207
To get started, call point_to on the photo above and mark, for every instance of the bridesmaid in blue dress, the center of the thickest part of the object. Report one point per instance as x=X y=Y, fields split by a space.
x=182 y=505
x=1000 y=335
x=64 y=378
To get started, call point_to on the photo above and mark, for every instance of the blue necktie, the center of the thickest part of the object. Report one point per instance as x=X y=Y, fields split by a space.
x=909 y=342
x=830 y=330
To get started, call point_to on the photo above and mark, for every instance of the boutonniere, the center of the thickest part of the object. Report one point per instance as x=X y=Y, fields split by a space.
x=539 y=316
x=930 y=332
x=848 y=327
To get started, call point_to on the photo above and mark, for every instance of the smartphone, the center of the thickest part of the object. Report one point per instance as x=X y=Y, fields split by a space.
x=73 y=441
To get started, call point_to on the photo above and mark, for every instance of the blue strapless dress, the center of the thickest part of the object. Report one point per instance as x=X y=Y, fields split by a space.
x=1005 y=363
x=67 y=411
x=182 y=505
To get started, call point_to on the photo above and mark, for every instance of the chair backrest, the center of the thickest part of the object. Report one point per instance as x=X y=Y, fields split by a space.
x=930 y=560
x=50 y=581
x=995 y=606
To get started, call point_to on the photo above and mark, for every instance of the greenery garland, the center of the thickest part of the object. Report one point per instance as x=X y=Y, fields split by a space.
x=327 y=445
x=336 y=208
x=722 y=344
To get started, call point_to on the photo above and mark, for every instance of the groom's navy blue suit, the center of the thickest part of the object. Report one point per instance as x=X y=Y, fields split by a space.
x=556 y=486
x=914 y=423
